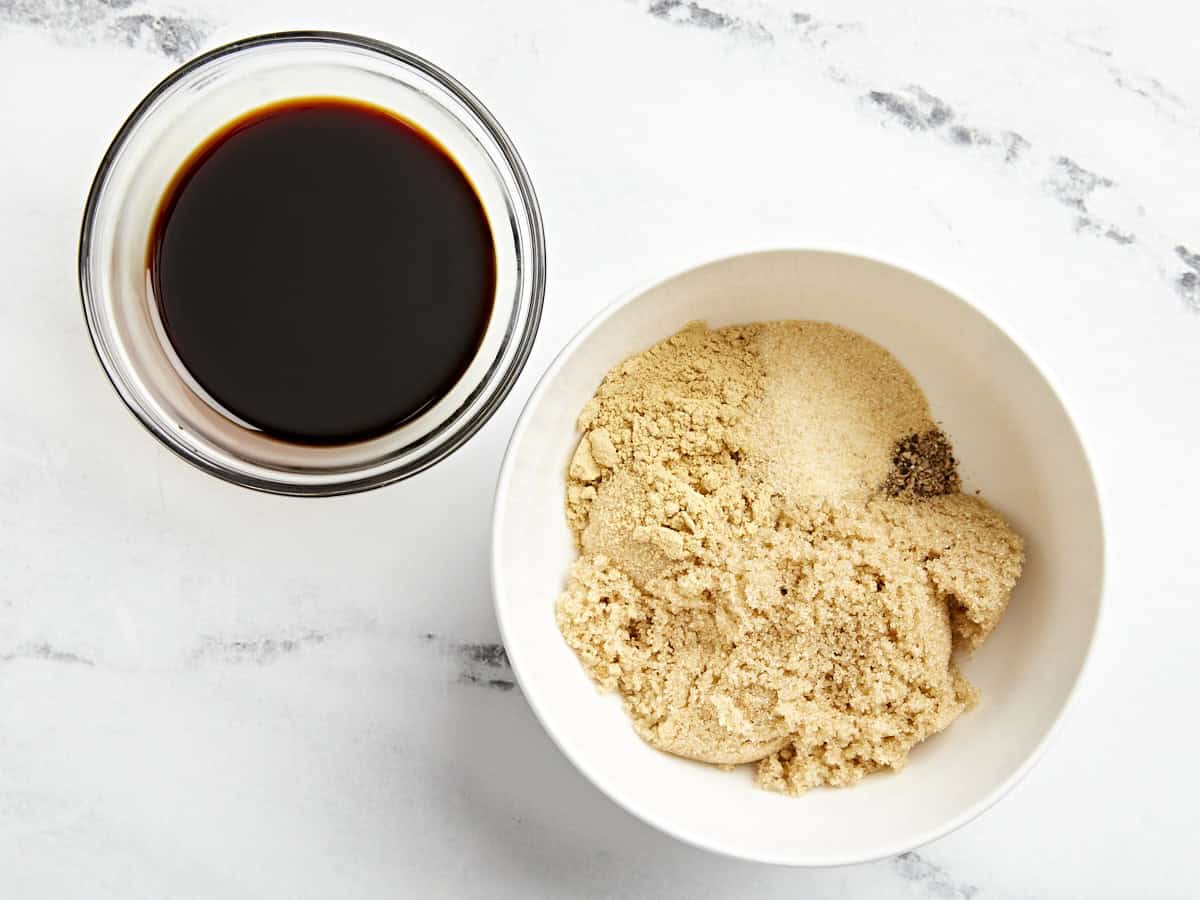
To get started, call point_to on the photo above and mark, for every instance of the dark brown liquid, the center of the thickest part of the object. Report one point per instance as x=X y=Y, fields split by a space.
x=324 y=270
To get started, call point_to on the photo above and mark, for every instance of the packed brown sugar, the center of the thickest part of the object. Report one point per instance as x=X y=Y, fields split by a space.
x=776 y=564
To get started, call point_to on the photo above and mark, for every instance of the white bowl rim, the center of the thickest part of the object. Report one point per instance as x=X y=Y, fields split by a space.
x=633 y=804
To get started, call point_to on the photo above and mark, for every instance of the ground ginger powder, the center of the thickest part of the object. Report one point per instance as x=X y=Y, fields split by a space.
x=776 y=564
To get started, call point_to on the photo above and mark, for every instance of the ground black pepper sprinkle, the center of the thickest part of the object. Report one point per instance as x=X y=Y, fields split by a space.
x=923 y=465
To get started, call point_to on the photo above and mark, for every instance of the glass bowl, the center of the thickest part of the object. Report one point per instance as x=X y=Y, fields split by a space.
x=195 y=102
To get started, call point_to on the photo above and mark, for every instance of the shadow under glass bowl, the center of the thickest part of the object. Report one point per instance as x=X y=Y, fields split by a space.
x=184 y=111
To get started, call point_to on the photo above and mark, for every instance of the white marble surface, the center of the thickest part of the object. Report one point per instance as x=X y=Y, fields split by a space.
x=206 y=692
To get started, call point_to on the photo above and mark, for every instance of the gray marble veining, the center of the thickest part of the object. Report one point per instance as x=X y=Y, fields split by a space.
x=326 y=708
x=918 y=109
x=931 y=880
x=129 y=22
x=42 y=650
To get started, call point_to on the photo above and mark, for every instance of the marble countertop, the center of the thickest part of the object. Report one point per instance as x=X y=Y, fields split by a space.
x=210 y=693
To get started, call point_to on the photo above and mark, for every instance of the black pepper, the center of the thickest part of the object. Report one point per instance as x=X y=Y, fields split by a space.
x=923 y=465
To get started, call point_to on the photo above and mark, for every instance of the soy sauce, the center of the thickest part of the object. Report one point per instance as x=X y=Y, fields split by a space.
x=323 y=269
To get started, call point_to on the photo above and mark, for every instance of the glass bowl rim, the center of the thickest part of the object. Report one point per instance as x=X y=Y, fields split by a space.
x=446 y=436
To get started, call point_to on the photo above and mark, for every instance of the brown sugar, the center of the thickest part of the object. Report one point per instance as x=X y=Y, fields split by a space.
x=776 y=565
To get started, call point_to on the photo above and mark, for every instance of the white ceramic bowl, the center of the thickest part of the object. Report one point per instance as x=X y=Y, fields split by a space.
x=1016 y=443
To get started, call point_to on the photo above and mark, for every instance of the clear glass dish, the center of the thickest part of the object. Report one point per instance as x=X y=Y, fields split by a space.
x=193 y=103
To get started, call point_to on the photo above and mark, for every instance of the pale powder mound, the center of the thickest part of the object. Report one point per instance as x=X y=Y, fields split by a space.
x=746 y=584
x=834 y=407
x=680 y=405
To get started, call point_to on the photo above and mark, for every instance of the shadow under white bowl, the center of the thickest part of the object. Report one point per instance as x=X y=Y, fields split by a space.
x=1016 y=443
